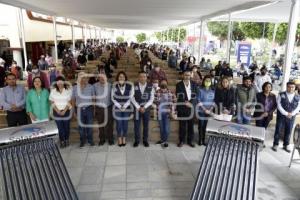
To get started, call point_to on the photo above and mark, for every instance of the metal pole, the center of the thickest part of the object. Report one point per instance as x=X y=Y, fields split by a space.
x=273 y=42
x=289 y=49
x=55 y=39
x=100 y=35
x=194 y=35
x=83 y=34
x=172 y=34
x=179 y=36
x=23 y=37
x=200 y=40
x=228 y=39
x=168 y=35
x=90 y=35
x=73 y=36
x=95 y=34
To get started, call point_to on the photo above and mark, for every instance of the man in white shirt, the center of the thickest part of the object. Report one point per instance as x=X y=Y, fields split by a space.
x=288 y=107
x=261 y=79
x=142 y=100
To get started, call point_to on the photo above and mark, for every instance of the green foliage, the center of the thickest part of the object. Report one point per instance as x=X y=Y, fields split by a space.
x=280 y=34
x=218 y=29
x=120 y=39
x=172 y=35
x=240 y=30
x=141 y=37
x=254 y=30
x=237 y=33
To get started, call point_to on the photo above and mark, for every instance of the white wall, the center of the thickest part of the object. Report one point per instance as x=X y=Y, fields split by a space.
x=42 y=31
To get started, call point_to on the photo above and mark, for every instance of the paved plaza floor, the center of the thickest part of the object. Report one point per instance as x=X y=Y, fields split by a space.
x=112 y=172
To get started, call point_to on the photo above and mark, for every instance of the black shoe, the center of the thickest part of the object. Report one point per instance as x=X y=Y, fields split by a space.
x=146 y=144
x=101 y=143
x=111 y=143
x=191 y=145
x=120 y=145
x=159 y=142
x=200 y=143
x=165 y=145
x=81 y=144
x=204 y=143
x=180 y=144
x=274 y=148
x=287 y=149
x=62 y=144
x=124 y=144
x=135 y=144
x=67 y=142
x=92 y=144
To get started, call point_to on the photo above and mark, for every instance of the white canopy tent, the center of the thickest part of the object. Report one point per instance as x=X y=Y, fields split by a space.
x=135 y=14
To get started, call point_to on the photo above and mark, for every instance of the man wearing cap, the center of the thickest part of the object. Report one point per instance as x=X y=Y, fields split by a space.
x=288 y=104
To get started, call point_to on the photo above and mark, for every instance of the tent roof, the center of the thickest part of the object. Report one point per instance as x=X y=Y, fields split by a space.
x=277 y=12
x=139 y=14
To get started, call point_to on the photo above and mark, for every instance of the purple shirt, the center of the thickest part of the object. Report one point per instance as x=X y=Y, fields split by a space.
x=268 y=104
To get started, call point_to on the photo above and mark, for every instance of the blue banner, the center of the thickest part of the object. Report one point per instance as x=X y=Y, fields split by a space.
x=244 y=53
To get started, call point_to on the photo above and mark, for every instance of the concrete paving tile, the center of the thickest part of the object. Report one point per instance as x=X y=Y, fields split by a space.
x=89 y=195
x=91 y=176
x=156 y=157
x=138 y=185
x=181 y=172
x=115 y=174
x=96 y=159
x=132 y=194
x=113 y=194
x=76 y=159
x=75 y=174
x=89 y=188
x=137 y=173
x=114 y=186
x=136 y=157
x=175 y=157
x=171 y=193
x=116 y=158
x=193 y=156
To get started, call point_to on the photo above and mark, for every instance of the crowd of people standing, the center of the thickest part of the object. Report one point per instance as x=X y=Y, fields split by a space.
x=196 y=98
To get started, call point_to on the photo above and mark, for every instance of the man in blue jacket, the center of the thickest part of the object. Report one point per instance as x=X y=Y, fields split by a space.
x=288 y=103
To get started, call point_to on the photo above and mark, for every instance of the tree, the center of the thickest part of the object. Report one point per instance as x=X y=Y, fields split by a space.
x=120 y=39
x=173 y=35
x=218 y=29
x=254 y=30
x=281 y=32
x=141 y=37
x=237 y=33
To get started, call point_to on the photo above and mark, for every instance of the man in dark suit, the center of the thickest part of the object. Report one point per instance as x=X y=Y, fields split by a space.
x=186 y=92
